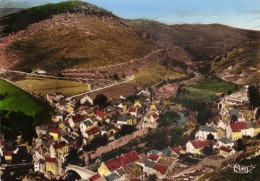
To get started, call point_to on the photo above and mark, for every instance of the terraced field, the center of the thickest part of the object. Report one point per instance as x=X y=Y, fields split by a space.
x=43 y=86
x=154 y=74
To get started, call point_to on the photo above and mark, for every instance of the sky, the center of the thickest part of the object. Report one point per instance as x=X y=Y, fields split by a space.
x=238 y=13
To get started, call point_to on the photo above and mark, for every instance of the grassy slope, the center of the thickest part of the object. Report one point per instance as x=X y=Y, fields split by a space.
x=46 y=86
x=156 y=73
x=207 y=89
x=18 y=100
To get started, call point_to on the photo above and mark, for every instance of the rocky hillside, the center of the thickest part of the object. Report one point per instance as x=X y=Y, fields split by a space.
x=240 y=65
x=20 y=20
x=78 y=35
x=202 y=42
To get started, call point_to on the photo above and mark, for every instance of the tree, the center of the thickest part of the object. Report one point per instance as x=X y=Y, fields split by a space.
x=72 y=157
x=210 y=136
x=126 y=129
x=100 y=100
x=115 y=76
x=177 y=136
x=240 y=145
x=169 y=117
x=234 y=118
x=60 y=74
x=152 y=177
x=204 y=115
x=254 y=96
x=208 y=150
x=258 y=136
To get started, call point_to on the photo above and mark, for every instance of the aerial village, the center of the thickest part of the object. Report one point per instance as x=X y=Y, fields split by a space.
x=78 y=125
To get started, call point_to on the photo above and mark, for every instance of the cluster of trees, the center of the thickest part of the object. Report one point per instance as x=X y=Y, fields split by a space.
x=203 y=110
x=181 y=90
x=14 y=124
x=125 y=130
x=100 y=100
x=162 y=138
x=96 y=142
x=177 y=137
x=168 y=118
x=254 y=96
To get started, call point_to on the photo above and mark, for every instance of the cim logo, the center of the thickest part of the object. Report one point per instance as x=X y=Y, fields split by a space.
x=241 y=169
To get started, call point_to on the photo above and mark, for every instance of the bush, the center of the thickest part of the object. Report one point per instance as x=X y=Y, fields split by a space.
x=126 y=129
x=169 y=118
x=100 y=100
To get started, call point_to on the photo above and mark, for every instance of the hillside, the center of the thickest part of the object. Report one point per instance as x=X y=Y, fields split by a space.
x=202 y=42
x=240 y=65
x=20 y=20
x=91 y=37
x=76 y=38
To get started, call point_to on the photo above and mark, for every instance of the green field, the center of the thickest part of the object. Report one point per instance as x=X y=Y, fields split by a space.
x=156 y=73
x=15 y=99
x=206 y=89
x=44 y=86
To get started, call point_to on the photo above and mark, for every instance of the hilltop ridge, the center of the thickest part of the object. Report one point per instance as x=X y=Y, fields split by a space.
x=20 y=20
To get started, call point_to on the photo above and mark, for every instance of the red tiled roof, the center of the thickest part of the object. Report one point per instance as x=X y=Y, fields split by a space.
x=161 y=168
x=153 y=157
x=95 y=177
x=131 y=156
x=116 y=128
x=94 y=130
x=54 y=130
x=202 y=143
x=8 y=153
x=58 y=145
x=132 y=109
x=135 y=179
x=258 y=123
x=49 y=159
x=155 y=116
x=238 y=126
x=177 y=149
x=114 y=164
x=121 y=161
x=100 y=114
x=226 y=149
x=77 y=118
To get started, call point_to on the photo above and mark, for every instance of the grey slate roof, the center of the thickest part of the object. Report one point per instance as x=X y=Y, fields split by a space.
x=153 y=152
x=113 y=176
x=167 y=152
x=233 y=112
x=149 y=163
x=225 y=140
x=207 y=128
x=122 y=118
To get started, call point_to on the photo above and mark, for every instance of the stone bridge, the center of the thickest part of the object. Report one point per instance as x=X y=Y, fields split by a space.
x=83 y=173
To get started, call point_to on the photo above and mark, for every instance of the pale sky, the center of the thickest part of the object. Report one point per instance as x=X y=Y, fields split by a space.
x=237 y=13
